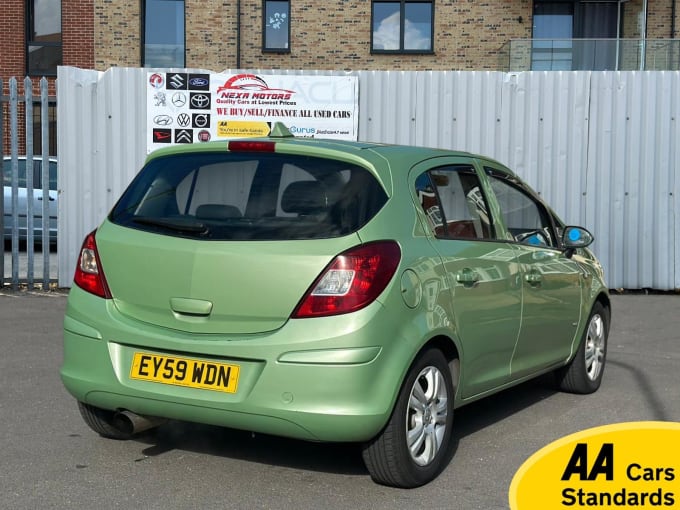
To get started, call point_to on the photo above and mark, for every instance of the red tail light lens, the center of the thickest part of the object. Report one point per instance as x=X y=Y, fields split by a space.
x=353 y=280
x=89 y=272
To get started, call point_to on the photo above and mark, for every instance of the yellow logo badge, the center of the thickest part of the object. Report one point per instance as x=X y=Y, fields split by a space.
x=627 y=465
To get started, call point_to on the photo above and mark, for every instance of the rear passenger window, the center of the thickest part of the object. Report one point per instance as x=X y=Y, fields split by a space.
x=228 y=196
x=454 y=203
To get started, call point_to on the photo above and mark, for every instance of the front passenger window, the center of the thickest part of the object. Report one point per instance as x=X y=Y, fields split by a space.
x=525 y=218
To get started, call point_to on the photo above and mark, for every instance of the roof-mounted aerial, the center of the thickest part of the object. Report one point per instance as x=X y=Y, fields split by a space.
x=279 y=130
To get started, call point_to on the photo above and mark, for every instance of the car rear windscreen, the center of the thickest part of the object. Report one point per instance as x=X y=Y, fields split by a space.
x=249 y=196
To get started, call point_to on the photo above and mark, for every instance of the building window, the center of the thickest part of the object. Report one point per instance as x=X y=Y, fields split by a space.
x=571 y=35
x=163 y=33
x=276 y=26
x=405 y=26
x=43 y=37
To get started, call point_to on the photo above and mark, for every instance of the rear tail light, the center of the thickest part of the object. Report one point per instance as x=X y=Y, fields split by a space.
x=353 y=280
x=89 y=272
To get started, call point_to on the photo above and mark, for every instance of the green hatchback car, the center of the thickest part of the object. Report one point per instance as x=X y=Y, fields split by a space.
x=328 y=291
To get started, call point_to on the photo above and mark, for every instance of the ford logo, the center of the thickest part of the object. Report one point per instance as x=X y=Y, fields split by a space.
x=198 y=82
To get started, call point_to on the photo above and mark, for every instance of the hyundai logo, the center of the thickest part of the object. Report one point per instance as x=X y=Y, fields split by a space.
x=200 y=101
x=162 y=120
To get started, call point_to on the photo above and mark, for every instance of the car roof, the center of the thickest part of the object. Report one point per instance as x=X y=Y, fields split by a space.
x=379 y=156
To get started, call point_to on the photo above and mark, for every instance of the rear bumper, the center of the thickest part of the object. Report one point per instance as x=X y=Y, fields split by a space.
x=328 y=379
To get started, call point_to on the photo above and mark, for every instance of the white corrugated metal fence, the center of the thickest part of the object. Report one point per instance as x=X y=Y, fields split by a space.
x=602 y=147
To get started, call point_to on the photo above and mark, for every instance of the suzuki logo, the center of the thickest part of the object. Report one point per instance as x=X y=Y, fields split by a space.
x=176 y=81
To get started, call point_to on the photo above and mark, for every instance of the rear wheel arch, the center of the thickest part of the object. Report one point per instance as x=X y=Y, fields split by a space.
x=449 y=349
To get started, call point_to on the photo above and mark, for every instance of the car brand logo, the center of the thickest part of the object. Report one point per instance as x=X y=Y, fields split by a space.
x=179 y=99
x=199 y=82
x=159 y=98
x=183 y=120
x=177 y=81
x=204 y=136
x=162 y=120
x=251 y=82
x=156 y=80
x=201 y=120
x=184 y=136
x=200 y=101
x=162 y=135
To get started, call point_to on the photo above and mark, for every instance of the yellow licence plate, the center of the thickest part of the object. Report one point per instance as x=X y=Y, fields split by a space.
x=192 y=373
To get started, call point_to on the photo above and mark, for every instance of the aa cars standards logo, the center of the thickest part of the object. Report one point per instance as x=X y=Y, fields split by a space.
x=627 y=465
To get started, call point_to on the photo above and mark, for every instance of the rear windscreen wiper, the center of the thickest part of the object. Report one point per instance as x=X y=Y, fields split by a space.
x=185 y=225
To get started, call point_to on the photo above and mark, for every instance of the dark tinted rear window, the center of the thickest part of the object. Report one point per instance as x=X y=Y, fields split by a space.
x=228 y=196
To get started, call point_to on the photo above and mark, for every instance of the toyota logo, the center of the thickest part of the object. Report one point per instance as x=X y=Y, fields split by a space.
x=200 y=100
x=179 y=99
x=162 y=120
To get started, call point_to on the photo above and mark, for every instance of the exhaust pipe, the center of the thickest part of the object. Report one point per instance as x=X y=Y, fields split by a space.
x=131 y=423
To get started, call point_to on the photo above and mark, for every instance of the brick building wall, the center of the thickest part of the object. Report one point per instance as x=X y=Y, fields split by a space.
x=117 y=32
x=324 y=35
x=77 y=38
x=468 y=35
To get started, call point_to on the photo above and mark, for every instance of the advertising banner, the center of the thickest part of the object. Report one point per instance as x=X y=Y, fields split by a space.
x=199 y=107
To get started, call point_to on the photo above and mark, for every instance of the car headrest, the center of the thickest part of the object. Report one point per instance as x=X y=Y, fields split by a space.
x=217 y=211
x=304 y=197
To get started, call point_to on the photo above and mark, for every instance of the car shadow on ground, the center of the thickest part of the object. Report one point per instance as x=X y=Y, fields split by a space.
x=337 y=458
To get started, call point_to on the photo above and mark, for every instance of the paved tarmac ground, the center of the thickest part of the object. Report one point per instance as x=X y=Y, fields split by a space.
x=50 y=459
x=22 y=261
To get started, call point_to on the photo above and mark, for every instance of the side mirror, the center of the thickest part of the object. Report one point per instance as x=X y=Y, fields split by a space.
x=574 y=238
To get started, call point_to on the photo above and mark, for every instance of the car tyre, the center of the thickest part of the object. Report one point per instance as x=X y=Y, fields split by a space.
x=414 y=446
x=101 y=421
x=584 y=372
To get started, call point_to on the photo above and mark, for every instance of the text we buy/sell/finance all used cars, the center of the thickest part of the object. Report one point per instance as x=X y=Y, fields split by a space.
x=328 y=291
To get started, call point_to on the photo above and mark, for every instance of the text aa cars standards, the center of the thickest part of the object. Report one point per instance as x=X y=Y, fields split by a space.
x=328 y=291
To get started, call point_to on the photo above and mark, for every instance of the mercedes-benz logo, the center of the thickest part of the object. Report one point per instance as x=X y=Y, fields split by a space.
x=200 y=100
x=179 y=99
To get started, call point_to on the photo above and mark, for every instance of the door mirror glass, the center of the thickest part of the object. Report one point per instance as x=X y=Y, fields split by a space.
x=576 y=237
